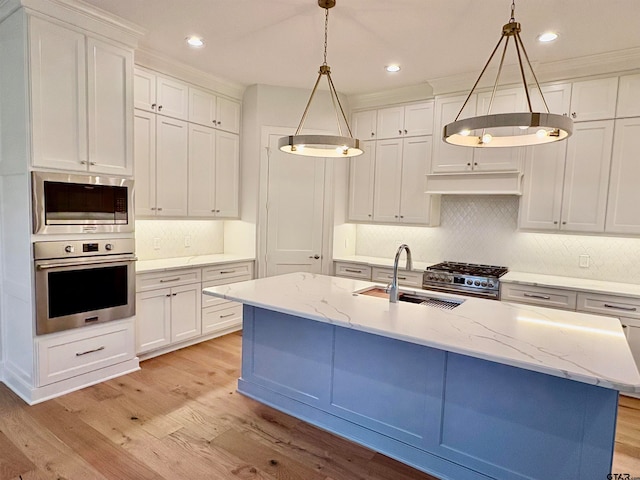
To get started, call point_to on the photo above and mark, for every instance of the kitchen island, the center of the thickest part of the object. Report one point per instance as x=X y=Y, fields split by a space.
x=485 y=390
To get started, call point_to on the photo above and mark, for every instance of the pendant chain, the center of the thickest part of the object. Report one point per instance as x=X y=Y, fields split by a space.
x=513 y=11
x=326 y=28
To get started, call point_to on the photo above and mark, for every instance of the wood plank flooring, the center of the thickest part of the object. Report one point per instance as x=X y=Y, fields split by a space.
x=181 y=418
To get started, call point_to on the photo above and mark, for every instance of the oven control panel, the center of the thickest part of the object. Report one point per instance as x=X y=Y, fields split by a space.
x=81 y=248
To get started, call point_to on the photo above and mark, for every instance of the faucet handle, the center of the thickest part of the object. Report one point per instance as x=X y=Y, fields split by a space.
x=387 y=289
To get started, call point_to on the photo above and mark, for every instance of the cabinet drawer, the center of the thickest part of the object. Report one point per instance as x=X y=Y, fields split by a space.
x=69 y=355
x=208 y=300
x=151 y=281
x=384 y=275
x=612 y=305
x=547 y=297
x=227 y=271
x=352 y=270
x=221 y=317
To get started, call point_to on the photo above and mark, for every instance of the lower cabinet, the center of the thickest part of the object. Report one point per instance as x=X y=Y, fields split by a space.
x=172 y=312
x=377 y=274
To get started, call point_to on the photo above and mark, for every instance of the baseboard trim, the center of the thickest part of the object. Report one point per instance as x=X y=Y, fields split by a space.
x=188 y=343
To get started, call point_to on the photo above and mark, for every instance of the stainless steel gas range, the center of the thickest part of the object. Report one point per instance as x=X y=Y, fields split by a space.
x=464 y=279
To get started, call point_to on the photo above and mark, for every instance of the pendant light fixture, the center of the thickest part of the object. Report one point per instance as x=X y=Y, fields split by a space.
x=477 y=131
x=323 y=145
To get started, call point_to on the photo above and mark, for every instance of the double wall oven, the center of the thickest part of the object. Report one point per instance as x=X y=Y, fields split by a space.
x=84 y=278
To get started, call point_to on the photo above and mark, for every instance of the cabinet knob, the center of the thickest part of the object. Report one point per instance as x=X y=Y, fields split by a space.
x=396 y=216
x=83 y=162
x=92 y=163
x=405 y=132
x=399 y=132
x=401 y=216
x=159 y=107
x=369 y=215
x=316 y=257
x=373 y=134
x=159 y=209
x=555 y=223
x=564 y=223
x=475 y=164
x=574 y=114
x=219 y=122
x=153 y=208
x=468 y=164
x=153 y=106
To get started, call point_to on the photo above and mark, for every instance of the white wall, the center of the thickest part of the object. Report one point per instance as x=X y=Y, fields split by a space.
x=483 y=229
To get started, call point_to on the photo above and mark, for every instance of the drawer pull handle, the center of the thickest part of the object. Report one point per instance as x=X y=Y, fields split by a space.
x=224 y=272
x=90 y=351
x=166 y=280
x=542 y=297
x=91 y=319
x=352 y=271
x=627 y=309
x=399 y=278
x=227 y=315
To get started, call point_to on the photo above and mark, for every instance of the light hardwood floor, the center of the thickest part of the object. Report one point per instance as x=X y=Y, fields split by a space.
x=181 y=418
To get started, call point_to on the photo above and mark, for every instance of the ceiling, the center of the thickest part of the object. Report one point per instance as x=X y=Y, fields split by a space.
x=280 y=42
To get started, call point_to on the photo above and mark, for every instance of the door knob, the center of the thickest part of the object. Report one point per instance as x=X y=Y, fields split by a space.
x=314 y=256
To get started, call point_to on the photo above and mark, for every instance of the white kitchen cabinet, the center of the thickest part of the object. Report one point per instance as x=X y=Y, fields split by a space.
x=451 y=158
x=363 y=124
x=186 y=312
x=153 y=319
x=171 y=167
x=405 y=121
x=586 y=178
x=632 y=332
x=214 y=111
x=214 y=160
x=538 y=295
x=628 y=96
x=594 y=99
x=81 y=101
x=361 y=184
x=557 y=97
x=352 y=270
x=221 y=318
x=405 y=277
x=401 y=166
x=624 y=194
x=160 y=94
x=145 y=164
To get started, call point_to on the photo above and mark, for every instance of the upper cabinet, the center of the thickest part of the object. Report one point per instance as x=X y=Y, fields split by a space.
x=594 y=99
x=213 y=111
x=394 y=122
x=81 y=101
x=629 y=96
x=159 y=94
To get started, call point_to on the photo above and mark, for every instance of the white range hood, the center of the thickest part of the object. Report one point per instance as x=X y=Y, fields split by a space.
x=476 y=183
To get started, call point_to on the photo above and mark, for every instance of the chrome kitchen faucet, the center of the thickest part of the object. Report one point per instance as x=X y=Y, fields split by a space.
x=393 y=286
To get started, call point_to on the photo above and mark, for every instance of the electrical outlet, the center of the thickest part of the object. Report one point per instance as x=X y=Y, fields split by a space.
x=187 y=241
x=583 y=261
x=156 y=243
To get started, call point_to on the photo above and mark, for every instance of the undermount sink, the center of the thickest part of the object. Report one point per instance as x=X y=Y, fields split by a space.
x=421 y=298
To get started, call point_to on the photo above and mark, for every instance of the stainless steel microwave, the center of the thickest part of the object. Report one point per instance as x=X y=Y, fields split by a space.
x=69 y=203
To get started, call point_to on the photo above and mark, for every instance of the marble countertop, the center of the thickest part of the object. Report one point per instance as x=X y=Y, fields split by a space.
x=571 y=283
x=164 y=264
x=582 y=347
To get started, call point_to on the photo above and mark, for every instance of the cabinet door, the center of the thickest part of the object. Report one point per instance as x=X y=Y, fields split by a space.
x=500 y=159
x=110 y=74
x=388 y=179
x=594 y=99
x=153 y=319
x=416 y=161
x=202 y=171
x=227 y=177
x=363 y=124
x=629 y=96
x=171 y=166
x=172 y=98
x=633 y=339
x=587 y=177
x=145 y=162
x=418 y=119
x=361 y=182
x=186 y=312
x=451 y=158
x=221 y=317
x=228 y=115
x=58 y=96
x=144 y=90
x=624 y=194
x=556 y=96
x=390 y=123
x=202 y=107
x=541 y=201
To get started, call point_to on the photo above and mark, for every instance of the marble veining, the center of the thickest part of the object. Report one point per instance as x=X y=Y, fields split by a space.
x=582 y=347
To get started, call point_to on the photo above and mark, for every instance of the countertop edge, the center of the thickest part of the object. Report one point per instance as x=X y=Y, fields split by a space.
x=197 y=261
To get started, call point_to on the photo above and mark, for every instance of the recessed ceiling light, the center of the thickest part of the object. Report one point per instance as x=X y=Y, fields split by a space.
x=392 y=68
x=547 y=37
x=194 y=41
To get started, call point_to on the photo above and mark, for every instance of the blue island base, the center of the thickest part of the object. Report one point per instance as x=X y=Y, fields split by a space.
x=453 y=416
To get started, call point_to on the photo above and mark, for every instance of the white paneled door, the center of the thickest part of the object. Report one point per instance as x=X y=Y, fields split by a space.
x=295 y=209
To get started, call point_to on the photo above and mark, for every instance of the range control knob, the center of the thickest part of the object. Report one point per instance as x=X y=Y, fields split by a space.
x=484 y=284
x=490 y=285
x=476 y=283
x=109 y=246
x=69 y=249
x=469 y=282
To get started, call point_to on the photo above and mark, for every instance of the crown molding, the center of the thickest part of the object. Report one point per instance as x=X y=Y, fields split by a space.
x=156 y=61
x=589 y=65
x=79 y=15
x=410 y=93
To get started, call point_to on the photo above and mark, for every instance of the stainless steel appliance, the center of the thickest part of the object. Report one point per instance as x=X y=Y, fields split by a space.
x=64 y=203
x=464 y=279
x=83 y=282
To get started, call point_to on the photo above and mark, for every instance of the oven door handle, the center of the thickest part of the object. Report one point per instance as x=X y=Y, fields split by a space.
x=47 y=266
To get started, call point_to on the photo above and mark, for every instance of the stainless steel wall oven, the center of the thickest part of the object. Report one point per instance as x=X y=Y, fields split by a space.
x=80 y=283
x=64 y=203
